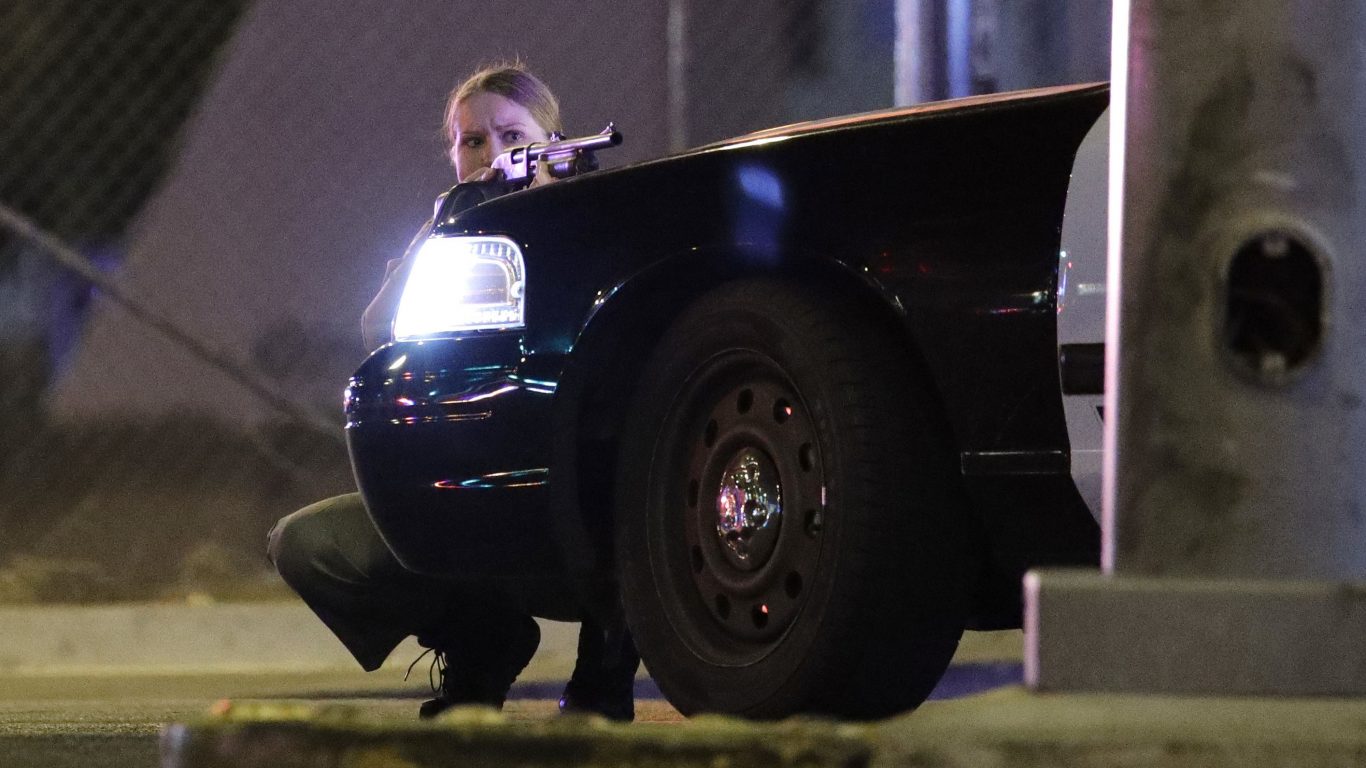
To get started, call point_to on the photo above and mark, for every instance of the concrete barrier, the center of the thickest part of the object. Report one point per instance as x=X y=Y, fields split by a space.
x=1009 y=727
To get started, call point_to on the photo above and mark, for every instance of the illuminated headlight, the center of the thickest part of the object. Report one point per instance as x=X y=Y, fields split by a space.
x=462 y=284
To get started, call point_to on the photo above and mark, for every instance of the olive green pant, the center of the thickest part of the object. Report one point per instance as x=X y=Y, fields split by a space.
x=332 y=556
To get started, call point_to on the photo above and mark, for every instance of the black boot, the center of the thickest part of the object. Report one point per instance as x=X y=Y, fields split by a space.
x=604 y=676
x=478 y=658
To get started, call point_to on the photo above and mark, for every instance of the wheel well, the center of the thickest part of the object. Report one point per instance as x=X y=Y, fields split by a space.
x=611 y=354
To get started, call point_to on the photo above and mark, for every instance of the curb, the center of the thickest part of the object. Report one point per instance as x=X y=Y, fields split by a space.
x=285 y=636
x=156 y=638
x=257 y=736
x=1010 y=727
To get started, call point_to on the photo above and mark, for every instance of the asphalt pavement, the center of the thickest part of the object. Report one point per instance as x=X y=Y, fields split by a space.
x=114 y=720
x=209 y=686
x=95 y=686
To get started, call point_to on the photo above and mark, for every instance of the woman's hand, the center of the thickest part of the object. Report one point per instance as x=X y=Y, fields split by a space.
x=542 y=176
x=482 y=174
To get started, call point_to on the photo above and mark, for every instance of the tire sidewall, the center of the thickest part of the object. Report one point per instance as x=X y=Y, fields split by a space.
x=806 y=663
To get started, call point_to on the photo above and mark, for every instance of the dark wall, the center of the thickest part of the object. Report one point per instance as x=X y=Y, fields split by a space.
x=1045 y=42
x=313 y=157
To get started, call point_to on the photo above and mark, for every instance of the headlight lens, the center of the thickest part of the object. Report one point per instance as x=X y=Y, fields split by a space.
x=462 y=284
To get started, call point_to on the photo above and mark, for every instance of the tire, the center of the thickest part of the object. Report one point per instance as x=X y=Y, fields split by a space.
x=789 y=535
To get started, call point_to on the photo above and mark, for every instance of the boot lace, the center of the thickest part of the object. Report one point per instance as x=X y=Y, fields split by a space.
x=436 y=673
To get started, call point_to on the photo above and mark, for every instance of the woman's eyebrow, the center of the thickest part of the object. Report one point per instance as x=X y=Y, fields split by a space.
x=513 y=124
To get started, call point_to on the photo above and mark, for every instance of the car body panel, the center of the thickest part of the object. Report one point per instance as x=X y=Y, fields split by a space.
x=469 y=393
x=1081 y=306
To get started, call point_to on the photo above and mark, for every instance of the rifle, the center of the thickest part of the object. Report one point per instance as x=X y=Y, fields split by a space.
x=563 y=158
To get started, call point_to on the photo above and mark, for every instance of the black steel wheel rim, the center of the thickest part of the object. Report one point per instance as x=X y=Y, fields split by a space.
x=741 y=520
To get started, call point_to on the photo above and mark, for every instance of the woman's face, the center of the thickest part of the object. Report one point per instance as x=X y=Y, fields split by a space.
x=485 y=125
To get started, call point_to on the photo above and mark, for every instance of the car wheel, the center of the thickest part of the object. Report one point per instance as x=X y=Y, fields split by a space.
x=789 y=537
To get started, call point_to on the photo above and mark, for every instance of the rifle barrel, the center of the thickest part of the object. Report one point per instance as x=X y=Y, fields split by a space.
x=609 y=138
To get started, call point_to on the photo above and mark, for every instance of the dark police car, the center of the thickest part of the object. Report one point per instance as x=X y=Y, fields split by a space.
x=812 y=399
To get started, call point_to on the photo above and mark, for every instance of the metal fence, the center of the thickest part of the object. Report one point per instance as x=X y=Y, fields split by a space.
x=197 y=198
x=93 y=95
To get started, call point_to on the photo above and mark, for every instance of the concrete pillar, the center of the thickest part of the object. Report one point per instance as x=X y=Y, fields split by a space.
x=1235 y=516
x=918 y=53
x=676 y=32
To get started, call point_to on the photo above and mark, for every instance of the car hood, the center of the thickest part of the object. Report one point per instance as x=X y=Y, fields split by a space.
x=896 y=113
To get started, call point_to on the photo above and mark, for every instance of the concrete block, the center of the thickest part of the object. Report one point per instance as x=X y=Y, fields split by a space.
x=1085 y=631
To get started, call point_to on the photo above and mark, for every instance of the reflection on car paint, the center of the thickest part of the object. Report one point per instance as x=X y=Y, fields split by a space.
x=520 y=478
x=472 y=397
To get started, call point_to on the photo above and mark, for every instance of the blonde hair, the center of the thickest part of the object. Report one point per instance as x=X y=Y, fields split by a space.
x=512 y=81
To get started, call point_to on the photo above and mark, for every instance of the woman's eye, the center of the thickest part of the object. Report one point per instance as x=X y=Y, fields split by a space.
x=473 y=142
x=513 y=137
